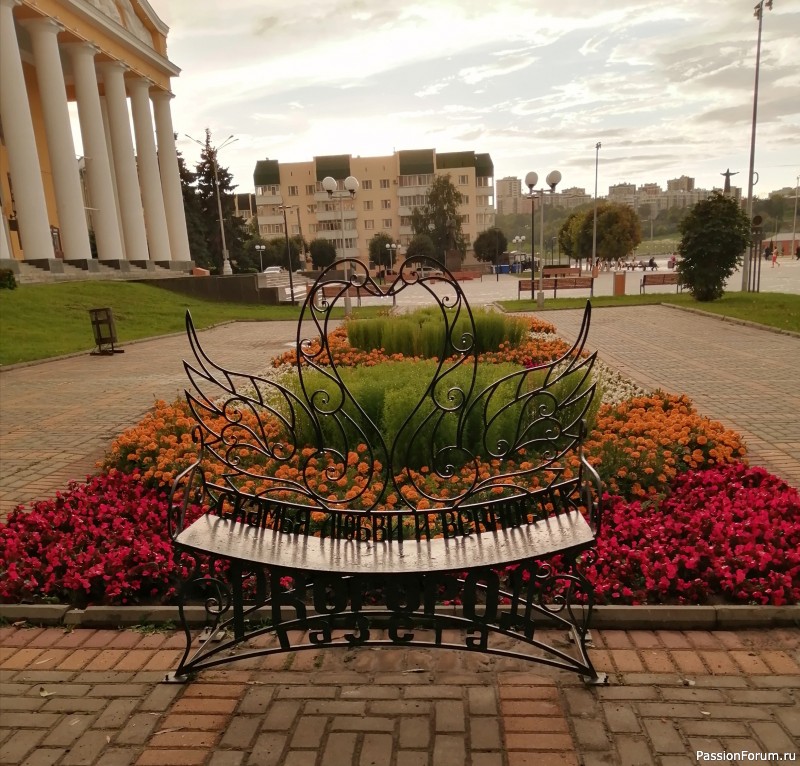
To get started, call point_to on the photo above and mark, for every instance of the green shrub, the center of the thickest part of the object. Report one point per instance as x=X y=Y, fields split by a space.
x=422 y=333
x=393 y=398
x=7 y=280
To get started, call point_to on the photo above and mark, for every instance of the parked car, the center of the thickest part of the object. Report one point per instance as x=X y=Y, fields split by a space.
x=428 y=271
x=272 y=270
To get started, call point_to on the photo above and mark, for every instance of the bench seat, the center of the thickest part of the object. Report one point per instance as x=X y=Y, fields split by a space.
x=229 y=539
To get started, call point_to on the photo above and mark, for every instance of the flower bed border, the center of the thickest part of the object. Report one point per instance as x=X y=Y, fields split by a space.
x=604 y=617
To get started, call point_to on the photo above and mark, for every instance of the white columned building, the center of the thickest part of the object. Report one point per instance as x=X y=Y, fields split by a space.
x=100 y=55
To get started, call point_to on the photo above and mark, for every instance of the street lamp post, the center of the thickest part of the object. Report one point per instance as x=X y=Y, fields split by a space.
x=553 y=179
x=746 y=263
x=518 y=240
x=350 y=187
x=394 y=249
x=594 y=224
x=260 y=250
x=226 y=262
x=793 y=251
x=284 y=208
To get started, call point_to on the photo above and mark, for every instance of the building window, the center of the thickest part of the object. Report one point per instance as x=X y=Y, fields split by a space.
x=310 y=189
x=405 y=220
x=294 y=191
x=311 y=208
x=483 y=181
x=414 y=200
x=483 y=199
x=387 y=223
x=384 y=183
x=272 y=228
x=366 y=185
x=386 y=204
x=368 y=204
x=464 y=218
x=369 y=224
x=418 y=180
x=465 y=199
x=463 y=180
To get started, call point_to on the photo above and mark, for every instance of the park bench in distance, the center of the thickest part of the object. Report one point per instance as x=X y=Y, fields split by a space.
x=667 y=278
x=283 y=564
x=555 y=284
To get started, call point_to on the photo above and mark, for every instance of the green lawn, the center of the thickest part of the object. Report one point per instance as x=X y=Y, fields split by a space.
x=41 y=321
x=779 y=310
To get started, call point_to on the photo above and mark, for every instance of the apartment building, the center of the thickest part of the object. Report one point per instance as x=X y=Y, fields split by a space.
x=390 y=187
x=511 y=200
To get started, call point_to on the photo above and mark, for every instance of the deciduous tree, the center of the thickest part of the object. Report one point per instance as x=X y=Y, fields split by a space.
x=379 y=254
x=323 y=253
x=490 y=245
x=439 y=219
x=713 y=237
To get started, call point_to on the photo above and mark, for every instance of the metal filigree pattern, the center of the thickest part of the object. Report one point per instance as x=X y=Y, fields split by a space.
x=307 y=568
x=253 y=426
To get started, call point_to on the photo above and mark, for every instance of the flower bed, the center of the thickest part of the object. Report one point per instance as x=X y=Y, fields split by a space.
x=686 y=522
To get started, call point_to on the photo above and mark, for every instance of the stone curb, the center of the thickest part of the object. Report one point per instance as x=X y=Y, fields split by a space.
x=722 y=617
x=732 y=320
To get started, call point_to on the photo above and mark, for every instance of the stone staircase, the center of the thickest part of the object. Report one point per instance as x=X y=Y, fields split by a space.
x=33 y=274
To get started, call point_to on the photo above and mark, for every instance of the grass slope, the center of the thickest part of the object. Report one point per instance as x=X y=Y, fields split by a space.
x=41 y=321
x=780 y=310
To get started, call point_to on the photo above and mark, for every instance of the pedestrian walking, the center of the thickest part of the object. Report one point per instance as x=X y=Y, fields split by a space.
x=775 y=257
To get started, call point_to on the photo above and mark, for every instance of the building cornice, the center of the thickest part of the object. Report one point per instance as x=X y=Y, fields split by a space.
x=127 y=39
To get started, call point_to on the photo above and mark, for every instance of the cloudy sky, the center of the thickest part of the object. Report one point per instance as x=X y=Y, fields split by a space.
x=667 y=87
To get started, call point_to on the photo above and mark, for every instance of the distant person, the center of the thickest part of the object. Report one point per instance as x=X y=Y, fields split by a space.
x=797 y=253
x=652 y=264
x=775 y=257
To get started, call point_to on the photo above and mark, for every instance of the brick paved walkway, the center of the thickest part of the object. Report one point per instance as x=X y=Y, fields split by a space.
x=92 y=698
x=745 y=377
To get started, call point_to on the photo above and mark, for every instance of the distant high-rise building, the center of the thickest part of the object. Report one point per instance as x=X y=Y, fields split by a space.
x=509 y=196
x=684 y=184
x=391 y=187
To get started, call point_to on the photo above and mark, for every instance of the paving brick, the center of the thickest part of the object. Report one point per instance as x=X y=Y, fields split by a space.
x=173 y=758
x=538 y=741
x=358 y=723
x=414 y=733
x=308 y=733
x=790 y=719
x=227 y=758
x=115 y=714
x=719 y=663
x=19 y=744
x=530 y=707
x=137 y=729
x=340 y=749
x=484 y=734
x=781 y=662
x=482 y=700
x=214 y=690
x=634 y=751
x=204 y=705
x=190 y=739
x=68 y=730
x=161 y=697
x=534 y=723
x=376 y=750
x=773 y=738
x=86 y=749
x=379 y=707
x=664 y=737
x=709 y=728
x=450 y=716
x=281 y=715
x=415 y=758
x=44 y=757
x=448 y=750
x=621 y=718
x=529 y=758
x=626 y=660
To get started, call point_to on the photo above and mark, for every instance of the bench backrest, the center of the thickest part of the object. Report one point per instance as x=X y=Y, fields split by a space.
x=302 y=455
x=660 y=279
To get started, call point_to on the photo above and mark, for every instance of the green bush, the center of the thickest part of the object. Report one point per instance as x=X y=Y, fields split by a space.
x=422 y=333
x=393 y=398
x=7 y=280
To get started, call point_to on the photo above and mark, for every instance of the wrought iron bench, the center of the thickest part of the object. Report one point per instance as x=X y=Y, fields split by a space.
x=319 y=533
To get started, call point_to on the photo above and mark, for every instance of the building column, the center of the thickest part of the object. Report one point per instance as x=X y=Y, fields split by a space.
x=23 y=157
x=170 y=177
x=147 y=161
x=130 y=200
x=102 y=200
x=66 y=179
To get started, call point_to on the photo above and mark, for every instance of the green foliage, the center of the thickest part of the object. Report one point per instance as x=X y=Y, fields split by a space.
x=439 y=219
x=379 y=254
x=399 y=400
x=619 y=231
x=422 y=244
x=714 y=235
x=7 y=280
x=490 y=245
x=323 y=253
x=422 y=332
x=196 y=224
